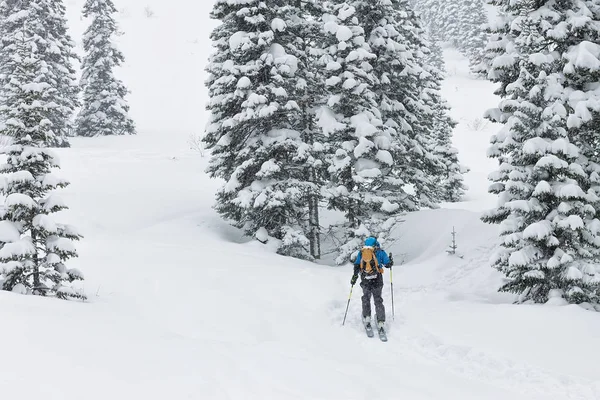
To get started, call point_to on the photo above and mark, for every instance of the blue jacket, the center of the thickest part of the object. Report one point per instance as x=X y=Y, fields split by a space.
x=382 y=258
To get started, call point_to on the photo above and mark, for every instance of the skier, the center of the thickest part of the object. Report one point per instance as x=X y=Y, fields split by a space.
x=369 y=263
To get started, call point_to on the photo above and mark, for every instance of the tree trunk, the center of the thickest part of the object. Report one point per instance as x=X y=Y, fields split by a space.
x=314 y=227
x=36 y=265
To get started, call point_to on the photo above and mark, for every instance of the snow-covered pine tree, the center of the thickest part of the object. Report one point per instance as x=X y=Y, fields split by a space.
x=500 y=58
x=4 y=53
x=408 y=103
x=580 y=47
x=34 y=248
x=261 y=133
x=58 y=53
x=452 y=179
x=303 y=30
x=429 y=11
x=408 y=94
x=450 y=176
x=60 y=59
x=105 y=110
x=361 y=166
x=548 y=220
x=473 y=38
x=436 y=174
x=580 y=63
x=449 y=15
x=435 y=56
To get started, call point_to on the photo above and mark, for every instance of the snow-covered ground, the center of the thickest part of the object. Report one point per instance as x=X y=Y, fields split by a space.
x=183 y=307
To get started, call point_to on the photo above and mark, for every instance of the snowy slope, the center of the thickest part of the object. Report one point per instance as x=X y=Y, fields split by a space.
x=183 y=307
x=469 y=99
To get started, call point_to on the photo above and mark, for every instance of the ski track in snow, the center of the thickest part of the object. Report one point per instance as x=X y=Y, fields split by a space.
x=411 y=340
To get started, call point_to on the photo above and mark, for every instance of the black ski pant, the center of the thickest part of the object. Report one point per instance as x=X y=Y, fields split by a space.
x=373 y=290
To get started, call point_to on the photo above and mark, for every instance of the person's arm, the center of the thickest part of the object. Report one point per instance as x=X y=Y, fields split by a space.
x=384 y=259
x=357 y=263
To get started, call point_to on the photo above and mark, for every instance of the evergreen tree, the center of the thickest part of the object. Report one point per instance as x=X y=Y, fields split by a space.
x=500 y=61
x=437 y=174
x=396 y=71
x=104 y=111
x=303 y=30
x=34 y=247
x=472 y=36
x=435 y=56
x=408 y=95
x=262 y=134
x=580 y=63
x=64 y=72
x=358 y=144
x=451 y=178
x=448 y=184
x=58 y=53
x=548 y=203
x=428 y=11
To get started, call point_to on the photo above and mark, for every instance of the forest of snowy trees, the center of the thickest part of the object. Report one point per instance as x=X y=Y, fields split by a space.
x=329 y=110
x=331 y=105
x=336 y=105
x=458 y=23
x=38 y=98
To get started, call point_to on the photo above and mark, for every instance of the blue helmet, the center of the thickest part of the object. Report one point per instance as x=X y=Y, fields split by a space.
x=371 y=242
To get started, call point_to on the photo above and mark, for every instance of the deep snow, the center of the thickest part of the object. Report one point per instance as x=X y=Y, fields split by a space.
x=183 y=307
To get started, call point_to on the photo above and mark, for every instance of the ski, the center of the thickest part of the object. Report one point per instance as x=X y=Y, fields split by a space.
x=369 y=330
x=382 y=335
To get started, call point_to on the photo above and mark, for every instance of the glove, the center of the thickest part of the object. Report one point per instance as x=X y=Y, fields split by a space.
x=353 y=280
x=391 y=263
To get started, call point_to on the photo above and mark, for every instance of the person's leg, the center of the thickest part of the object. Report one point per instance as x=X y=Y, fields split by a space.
x=366 y=302
x=379 y=307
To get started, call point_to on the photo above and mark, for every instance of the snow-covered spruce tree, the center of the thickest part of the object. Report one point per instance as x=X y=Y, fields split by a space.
x=449 y=19
x=452 y=178
x=64 y=76
x=473 y=38
x=449 y=178
x=407 y=89
x=300 y=36
x=437 y=175
x=261 y=133
x=500 y=58
x=580 y=63
x=435 y=56
x=361 y=166
x=104 y=111
x=548 y=220
x=402 y=94
x=58 y=53
x=578 y=28
x=34 y=247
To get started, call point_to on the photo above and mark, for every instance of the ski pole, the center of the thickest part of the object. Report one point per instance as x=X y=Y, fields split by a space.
x=392 y=286
x=348 y=305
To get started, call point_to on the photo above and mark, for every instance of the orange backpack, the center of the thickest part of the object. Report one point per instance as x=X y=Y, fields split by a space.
x=369 y=264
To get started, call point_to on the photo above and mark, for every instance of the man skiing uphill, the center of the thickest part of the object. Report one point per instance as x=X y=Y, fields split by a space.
x=369 y=263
